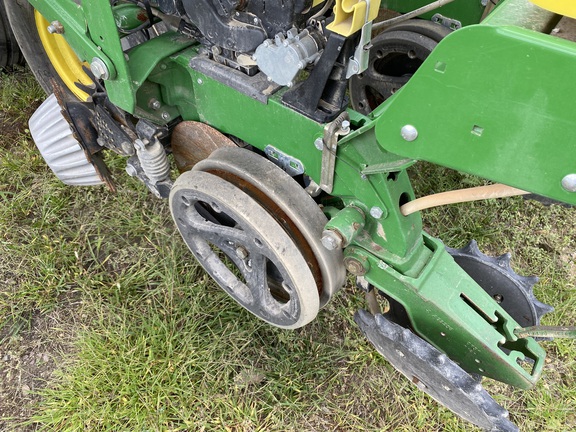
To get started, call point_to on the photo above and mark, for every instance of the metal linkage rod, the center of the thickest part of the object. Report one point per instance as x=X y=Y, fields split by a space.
x=416 y=12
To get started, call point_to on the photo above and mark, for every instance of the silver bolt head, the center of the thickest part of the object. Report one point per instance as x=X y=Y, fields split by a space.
x=155 y=104
x=569 y=183
x=139 y=144
x=319 y=144
x=331 y=240
x=376 y=212
x=409 y=133
x=165 y=116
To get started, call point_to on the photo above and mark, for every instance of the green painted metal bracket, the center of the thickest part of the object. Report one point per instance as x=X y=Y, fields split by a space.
x=144 y=62
x=451 y=312
x=492 y=101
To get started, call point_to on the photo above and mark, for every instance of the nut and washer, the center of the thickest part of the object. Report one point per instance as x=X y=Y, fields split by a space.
x=355 y=266
x=409 y=133
x=155 y=104
x=99 y=69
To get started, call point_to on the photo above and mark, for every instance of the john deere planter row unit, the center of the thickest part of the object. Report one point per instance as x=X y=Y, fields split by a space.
x=293 y=123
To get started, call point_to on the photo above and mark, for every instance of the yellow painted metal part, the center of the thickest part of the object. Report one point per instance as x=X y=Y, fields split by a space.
x=562 y=7
x=63 y=58
x=351 y=15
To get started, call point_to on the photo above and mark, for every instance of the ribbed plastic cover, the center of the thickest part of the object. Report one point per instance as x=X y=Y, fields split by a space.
x=59 y=148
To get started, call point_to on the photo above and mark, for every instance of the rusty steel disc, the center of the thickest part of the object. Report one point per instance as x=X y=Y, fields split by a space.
x=194 y=141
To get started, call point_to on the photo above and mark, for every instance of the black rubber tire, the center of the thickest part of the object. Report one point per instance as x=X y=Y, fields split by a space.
x=10 y=54
x=21 y=16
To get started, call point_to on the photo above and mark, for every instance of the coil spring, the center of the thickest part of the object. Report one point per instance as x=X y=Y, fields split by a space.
x=153 y=160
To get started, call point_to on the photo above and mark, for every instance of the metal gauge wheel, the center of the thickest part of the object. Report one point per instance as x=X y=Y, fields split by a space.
x=289 y=204
x=244 y=249
x=395 y=56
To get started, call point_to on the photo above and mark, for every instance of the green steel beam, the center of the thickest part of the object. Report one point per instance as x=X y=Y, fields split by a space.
x=494 y=102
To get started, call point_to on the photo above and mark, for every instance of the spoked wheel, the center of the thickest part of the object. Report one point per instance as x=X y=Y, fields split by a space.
x=244 y=249
x=289 y=204
x=395 y=56
x=48 y=55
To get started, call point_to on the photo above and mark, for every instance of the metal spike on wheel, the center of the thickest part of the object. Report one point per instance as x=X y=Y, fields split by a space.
x=495 y=275
x=434 y=373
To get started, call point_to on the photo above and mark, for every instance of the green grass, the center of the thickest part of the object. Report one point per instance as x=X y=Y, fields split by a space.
x=142 y=340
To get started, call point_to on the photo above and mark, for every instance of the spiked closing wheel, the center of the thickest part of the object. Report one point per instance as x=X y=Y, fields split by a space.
x=434 y=373
x=513 y=292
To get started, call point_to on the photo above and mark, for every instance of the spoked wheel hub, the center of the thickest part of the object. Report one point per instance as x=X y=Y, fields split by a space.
x=395 y=56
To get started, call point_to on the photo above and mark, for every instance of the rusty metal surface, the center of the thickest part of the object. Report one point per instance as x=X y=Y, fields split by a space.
x=194 y=141
x=85 y=134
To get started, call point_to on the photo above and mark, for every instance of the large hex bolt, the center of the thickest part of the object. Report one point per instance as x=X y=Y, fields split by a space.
x=99 y=69
x=332 y=240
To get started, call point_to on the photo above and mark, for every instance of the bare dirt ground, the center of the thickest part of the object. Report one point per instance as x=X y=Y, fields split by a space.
x=31 y=352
